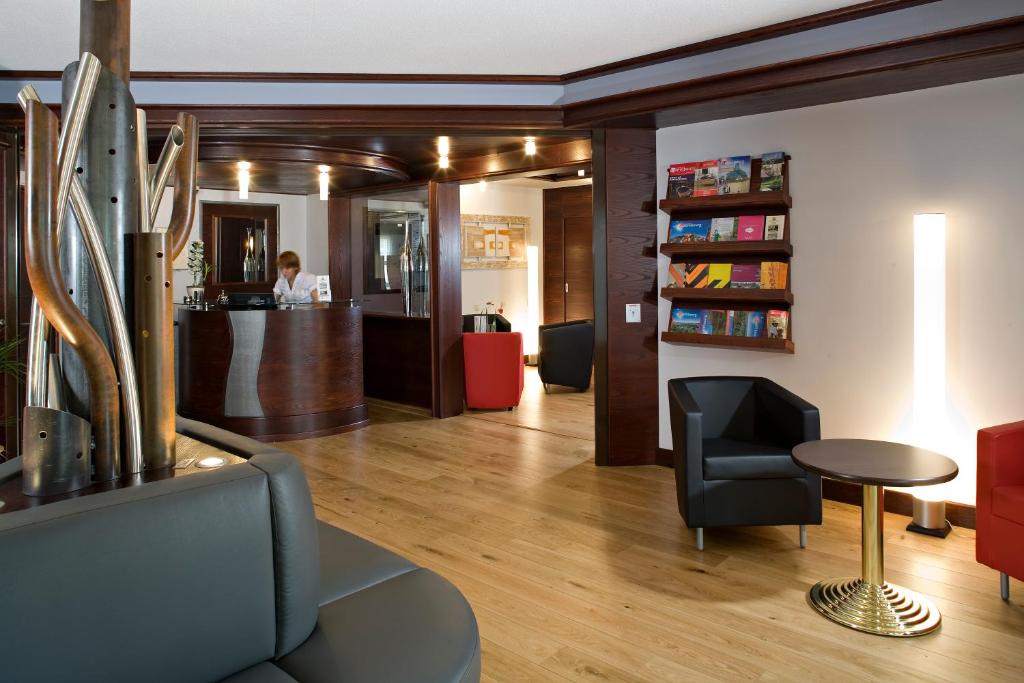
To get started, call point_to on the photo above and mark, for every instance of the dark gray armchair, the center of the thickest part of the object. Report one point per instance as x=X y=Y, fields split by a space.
x=732 y=441
x=566 y=354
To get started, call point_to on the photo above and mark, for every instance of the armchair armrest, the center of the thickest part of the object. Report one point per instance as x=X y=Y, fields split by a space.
x=1000 y=463
x=687 y=451
x=787 y=416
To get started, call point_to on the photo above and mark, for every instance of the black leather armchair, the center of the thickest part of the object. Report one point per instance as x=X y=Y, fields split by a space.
x=566 y=354
x=732 y=441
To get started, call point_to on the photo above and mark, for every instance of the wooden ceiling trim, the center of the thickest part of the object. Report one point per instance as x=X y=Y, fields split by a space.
x=290 y=153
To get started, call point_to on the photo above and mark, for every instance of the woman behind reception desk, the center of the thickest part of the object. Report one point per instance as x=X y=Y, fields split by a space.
x=294 y=286
x=273 y=374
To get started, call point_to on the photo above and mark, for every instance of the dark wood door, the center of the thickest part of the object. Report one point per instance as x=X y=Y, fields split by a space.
x=10 y=277
x=568 y=254
x=578 y=232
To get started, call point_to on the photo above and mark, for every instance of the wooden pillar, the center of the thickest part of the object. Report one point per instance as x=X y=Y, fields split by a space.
x=446 y=299
x=339 y=247
x=625 y=271
x=105 y=31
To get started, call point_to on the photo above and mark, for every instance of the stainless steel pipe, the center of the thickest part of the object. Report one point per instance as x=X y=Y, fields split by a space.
x=183 y=212
x=164 y=166
x=142 y=162
x=42 y=263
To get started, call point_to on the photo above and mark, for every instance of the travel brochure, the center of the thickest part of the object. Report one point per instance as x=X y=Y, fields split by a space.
x=728 y=229
x=772 y=324
x=728 y=175
x=764 y=275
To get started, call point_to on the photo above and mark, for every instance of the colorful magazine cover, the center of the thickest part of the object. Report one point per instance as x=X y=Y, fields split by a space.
x=746 y=276
x=755 y=324
x=686 y=320
x=771 y=171
x=705 y=182
x=715 y=322
x=733 y=175
x=696 y=275
x=719 y=275
x=774 y=275
x=774 y=227
x=723 y=230
x=688 y=232
x=778 y=324
x=677 y=275
x=750 y=228
x=680 y=180
x=738 y=323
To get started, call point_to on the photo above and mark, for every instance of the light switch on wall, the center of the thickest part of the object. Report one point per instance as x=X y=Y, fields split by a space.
x=632 y=313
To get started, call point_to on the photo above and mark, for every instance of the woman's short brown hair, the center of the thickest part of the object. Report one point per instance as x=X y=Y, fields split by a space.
x=289 y=259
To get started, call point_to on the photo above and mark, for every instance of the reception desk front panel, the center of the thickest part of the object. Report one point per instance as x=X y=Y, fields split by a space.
x=273 y=374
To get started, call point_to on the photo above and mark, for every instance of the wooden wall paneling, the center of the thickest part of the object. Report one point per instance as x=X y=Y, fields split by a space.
x=449 y=388
x=339 y=247
x=553 y=286
x=626 y=355
x=563 y=204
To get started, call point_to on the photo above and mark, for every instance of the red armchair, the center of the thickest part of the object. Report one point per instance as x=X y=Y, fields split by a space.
x=494 y=369
x=1000 y=505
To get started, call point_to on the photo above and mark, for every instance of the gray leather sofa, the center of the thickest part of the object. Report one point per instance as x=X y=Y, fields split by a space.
x=224 y=575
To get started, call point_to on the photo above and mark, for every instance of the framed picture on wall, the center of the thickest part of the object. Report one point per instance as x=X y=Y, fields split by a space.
x=494 y=241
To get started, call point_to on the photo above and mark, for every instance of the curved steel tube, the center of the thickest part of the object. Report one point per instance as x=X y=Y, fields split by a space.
x=185 y=189
x=142 y=159
x=42 y=262
x=164 y=166
x=67 y=151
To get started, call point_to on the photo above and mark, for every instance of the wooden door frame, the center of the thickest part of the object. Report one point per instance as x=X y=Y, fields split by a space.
x=12 y=313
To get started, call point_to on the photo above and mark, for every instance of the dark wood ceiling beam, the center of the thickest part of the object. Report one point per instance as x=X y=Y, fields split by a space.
x=963 y=54
x=291 y=153
x=510 y=164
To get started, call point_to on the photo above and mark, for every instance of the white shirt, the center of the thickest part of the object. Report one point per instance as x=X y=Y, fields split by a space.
x=299 y=292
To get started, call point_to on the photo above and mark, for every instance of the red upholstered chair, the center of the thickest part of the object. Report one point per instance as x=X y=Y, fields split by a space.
x=1000 y=532
x=494 y=369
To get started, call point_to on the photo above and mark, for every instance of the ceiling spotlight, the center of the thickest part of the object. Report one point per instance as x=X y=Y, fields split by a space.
x=443 y=161
x=482 y=185
x=581 y=173
x=243 y=179
x=531 y=146
x=324 y=181
x=442 y=145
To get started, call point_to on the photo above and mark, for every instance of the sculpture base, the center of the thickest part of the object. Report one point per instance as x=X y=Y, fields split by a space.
x=885 y=610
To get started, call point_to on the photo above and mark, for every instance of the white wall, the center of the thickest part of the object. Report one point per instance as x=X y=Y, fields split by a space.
x=860 y=171
x=315 y=258
x=292 y=229
x=503 y=198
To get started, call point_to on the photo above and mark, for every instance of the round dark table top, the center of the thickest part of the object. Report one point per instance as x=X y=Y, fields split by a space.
x=879 y=463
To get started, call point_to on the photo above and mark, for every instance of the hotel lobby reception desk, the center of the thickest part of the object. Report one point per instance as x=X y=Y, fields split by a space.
x=273 y=374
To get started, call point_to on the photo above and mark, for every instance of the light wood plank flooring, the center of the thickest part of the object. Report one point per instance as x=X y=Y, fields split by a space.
x=584 y=573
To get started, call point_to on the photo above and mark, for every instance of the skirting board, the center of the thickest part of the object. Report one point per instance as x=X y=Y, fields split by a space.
x=898 y=502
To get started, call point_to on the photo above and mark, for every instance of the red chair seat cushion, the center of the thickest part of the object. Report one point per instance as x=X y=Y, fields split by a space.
x=1008 y=503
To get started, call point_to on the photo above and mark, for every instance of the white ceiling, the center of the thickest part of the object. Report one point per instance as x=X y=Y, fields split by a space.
x=389 y=36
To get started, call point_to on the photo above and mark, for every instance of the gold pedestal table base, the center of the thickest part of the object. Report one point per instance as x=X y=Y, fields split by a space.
x=869 y=603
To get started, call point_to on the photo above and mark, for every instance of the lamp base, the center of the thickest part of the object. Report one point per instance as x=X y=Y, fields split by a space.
x=941 y=532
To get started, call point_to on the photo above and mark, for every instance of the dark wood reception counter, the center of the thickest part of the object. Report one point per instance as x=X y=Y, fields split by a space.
x=273 y=374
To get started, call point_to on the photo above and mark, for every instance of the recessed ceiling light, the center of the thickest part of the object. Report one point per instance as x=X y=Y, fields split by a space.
x=581 y=173
x=482 y=185
x=531 y=146
x=243 y=179
x=442 y=145
x=325 y=181
x=443 y=161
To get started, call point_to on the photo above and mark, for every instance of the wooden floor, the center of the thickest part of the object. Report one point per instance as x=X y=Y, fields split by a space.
x=584 y=573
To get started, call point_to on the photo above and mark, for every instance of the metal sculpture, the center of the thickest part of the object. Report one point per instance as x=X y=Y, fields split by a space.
x=81 y=277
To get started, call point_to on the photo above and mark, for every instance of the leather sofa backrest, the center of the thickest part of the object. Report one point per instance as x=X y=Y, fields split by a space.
x=191 y=578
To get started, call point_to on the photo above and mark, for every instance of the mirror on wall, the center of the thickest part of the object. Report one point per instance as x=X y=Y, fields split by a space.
x=241 y=245
x=387 y=231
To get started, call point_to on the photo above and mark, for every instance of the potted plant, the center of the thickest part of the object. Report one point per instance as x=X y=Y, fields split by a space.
x=200 y=268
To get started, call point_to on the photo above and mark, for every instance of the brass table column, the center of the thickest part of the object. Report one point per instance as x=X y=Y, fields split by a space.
x=869 y=603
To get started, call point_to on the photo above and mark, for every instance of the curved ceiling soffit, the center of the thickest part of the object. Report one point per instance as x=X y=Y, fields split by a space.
x=336 y=158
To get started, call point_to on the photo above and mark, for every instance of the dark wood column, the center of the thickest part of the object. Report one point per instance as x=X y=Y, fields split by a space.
x=105 y=31
x=339 y=247
x=625 y=271
x=446 y=299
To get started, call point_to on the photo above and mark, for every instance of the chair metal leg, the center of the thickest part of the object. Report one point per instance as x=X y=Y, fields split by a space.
x=803 y=535
x=700 y=538
x=545 y=387
x=1004 y=586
